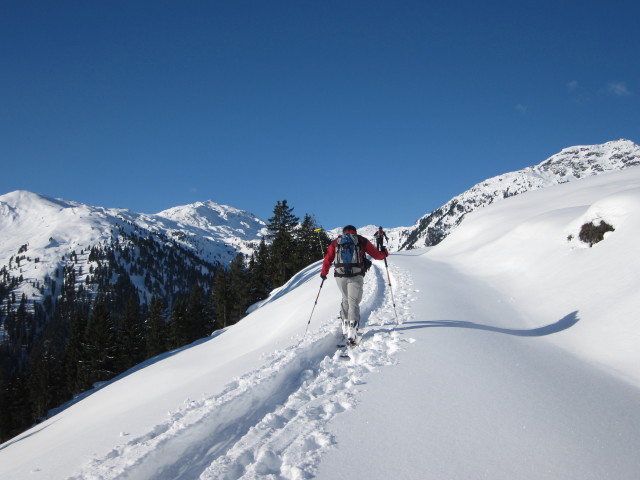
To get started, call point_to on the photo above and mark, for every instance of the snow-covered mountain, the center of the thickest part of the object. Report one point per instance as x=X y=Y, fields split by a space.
x=570 y=164
x=41 y=236
x=213 y=229
x=216 y=232
x=516 y=356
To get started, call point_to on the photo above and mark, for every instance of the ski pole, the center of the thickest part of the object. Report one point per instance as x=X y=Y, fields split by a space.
x=391 y=290
x=314 y=307
x=318 y=230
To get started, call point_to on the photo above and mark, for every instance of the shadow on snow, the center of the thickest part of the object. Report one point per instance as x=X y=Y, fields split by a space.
x=564 y=323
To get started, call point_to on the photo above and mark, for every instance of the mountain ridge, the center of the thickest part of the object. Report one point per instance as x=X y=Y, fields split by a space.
x=39 y=233
x=55 y=251
x=571 y=163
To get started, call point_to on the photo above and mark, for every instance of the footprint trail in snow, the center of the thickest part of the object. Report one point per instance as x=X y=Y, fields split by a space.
x=271 y=422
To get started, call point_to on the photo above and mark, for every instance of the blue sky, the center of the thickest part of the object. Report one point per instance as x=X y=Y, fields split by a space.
x=371 y=112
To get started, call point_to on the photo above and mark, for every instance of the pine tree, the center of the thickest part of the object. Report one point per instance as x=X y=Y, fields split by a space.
x=209 y=311
x=74 y=357
x=260 y=282
x=222 y=298
x=43 y=381
x=20 y=410
x=16 y=325
x=6 y=424
x=309 y=243
x=177 y=326
x=100 y=345
x=195 y=318
x=238 y=288
x=155 y=328
x=131 y=342
x=281 y=230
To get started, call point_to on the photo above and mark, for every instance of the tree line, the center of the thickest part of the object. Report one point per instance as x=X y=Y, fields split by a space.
x=100 y=329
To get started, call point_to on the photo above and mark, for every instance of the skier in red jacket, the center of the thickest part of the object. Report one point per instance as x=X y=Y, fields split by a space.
x=347 y=254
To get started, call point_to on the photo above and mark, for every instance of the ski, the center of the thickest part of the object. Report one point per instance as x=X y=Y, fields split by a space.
x=345 y=343
x=345 y=346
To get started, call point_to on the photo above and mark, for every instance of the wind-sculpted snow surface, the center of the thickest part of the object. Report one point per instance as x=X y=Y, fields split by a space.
x=272 y=420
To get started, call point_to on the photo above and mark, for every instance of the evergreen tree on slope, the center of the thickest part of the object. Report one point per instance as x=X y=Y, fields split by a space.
x=281 y=229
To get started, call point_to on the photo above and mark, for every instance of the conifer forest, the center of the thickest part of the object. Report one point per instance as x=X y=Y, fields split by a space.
x=143 y=296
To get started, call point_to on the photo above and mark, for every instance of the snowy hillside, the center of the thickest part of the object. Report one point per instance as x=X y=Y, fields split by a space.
x=39 y=235
x=517 y=356
x=570 y=164
x=205 y=227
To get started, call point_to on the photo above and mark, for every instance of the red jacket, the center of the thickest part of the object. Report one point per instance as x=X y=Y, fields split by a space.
x=369 y=248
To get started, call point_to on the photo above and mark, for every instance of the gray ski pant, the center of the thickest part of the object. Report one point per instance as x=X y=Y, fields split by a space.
x=351 y=289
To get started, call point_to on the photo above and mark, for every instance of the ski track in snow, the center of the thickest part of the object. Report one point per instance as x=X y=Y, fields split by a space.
x=271 y=422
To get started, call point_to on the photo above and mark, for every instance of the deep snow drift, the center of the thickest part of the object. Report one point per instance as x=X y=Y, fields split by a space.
x=516 y=357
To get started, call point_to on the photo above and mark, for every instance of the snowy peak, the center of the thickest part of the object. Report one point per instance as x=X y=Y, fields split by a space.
x=585 y=161
x=570 y=164
x=14 y=204
x=43 y=221
x=25 y=197
x=211 y=216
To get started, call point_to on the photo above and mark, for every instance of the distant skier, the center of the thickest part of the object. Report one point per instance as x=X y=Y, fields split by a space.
x=347 y=254
x=380 y=238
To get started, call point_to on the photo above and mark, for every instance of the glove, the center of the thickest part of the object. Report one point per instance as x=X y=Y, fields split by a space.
x=323 y=277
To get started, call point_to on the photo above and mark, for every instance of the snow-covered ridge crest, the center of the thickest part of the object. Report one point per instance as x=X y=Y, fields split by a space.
x=570 y=164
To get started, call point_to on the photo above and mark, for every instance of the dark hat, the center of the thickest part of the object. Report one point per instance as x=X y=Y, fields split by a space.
x=349 y=228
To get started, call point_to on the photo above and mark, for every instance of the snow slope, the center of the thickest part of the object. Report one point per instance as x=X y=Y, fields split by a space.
x=516 y=357
x=570 y=164
x=526 y=362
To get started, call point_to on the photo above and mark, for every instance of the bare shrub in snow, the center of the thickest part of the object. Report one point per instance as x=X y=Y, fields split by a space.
x=592 y=234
